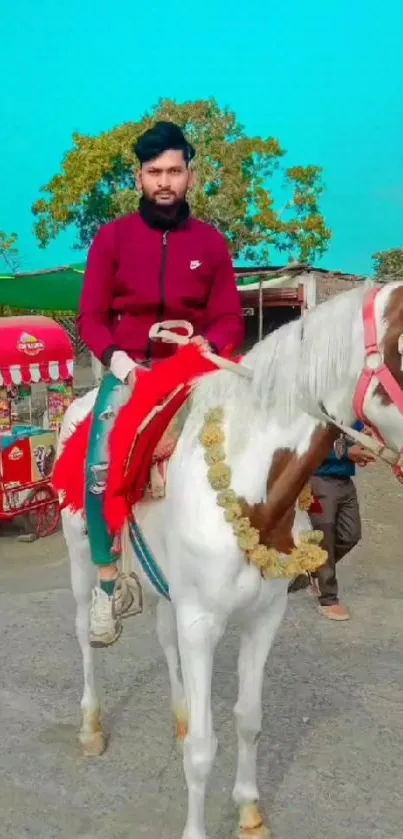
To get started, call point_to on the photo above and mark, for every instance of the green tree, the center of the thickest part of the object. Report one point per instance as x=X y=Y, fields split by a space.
x=96 y=184
x=9 y=251
x=388 y=265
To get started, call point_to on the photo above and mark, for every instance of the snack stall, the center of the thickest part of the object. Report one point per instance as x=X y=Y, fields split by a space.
x=34 y=352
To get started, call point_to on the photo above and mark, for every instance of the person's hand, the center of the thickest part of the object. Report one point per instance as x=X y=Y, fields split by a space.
x=360 y=456
x=201 y=342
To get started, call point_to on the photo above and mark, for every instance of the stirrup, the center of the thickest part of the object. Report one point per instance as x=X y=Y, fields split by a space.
x=136 y=605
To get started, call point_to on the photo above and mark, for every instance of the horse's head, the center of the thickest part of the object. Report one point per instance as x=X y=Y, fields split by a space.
x=378 y=399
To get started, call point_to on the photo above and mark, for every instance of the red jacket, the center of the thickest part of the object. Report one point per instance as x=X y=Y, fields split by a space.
x=137 y=275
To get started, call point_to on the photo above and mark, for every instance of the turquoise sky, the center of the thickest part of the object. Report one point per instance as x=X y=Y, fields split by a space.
x=325 y=78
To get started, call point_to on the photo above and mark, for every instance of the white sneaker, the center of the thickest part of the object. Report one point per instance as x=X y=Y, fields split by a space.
x=105 y=624
x=107 y=611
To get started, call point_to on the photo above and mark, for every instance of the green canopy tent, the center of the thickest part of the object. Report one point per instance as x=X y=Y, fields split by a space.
x=57 y=290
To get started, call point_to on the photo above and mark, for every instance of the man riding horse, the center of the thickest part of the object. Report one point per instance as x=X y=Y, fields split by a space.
x=158 y=263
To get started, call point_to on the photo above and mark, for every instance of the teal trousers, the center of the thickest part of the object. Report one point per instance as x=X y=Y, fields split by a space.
x=111 y=397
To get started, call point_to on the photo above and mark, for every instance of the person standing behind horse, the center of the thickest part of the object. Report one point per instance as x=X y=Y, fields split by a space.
x=157 y=264
x=339 y=520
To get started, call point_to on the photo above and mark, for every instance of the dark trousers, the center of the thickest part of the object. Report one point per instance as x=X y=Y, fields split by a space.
x=340 y=523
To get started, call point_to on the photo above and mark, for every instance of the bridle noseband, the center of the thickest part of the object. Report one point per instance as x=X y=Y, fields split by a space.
x=375 y=367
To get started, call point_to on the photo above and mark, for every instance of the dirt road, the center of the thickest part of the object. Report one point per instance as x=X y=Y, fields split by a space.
x=331 y=756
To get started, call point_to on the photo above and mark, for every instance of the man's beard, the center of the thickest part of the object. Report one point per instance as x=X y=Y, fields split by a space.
x=164 y=216
x=164 y=209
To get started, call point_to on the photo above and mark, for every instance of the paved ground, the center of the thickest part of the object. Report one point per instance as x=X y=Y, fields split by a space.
x=331 y=757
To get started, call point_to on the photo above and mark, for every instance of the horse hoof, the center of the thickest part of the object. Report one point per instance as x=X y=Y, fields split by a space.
x=261 y=832
x=93 y=745
x=251 y=824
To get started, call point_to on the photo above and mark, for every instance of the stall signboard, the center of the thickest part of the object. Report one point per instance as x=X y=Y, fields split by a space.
x=25 y=462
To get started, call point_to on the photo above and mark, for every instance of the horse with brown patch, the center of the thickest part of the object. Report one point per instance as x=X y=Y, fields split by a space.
x=275 y=438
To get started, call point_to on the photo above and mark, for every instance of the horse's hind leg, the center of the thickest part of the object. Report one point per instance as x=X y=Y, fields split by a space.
x=168 y=638
x=257 y=637
x=82 y=580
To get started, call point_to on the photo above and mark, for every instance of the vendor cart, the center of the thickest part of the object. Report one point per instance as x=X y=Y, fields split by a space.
x=34 y=352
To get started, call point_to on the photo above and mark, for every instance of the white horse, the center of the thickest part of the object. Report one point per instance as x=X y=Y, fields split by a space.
x=312 y=362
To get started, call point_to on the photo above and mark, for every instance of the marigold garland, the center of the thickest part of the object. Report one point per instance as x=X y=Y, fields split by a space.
x=304 y=559
x=306 y=498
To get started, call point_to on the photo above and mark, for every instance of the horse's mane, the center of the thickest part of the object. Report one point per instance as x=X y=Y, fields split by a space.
x=309 y=356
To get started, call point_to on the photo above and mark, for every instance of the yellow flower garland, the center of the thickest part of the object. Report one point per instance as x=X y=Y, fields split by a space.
x=304 y=559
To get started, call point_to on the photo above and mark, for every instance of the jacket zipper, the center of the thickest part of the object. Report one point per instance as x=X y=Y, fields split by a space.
x=163 y=265
x=161 y=309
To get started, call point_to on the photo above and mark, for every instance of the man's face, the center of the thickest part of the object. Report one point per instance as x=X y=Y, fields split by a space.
x=166 y=179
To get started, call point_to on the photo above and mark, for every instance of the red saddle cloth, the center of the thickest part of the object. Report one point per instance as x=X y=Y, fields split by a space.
x=139 y=427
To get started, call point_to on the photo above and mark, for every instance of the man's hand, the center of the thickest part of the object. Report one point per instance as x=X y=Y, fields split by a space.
x=122 y=367
x=201 y=342
x=360 y=456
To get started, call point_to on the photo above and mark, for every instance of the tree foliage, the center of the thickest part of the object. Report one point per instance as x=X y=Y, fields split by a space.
x=96 y=185
x=9 y=251
x=388 y=265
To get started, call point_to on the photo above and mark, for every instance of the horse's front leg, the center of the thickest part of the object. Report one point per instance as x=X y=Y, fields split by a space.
x=82 y=574
x=168 y=638
x=198 y=634
x=257 y=637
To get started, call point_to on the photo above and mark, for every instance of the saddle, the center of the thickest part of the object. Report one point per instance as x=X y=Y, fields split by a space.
x=153 y=446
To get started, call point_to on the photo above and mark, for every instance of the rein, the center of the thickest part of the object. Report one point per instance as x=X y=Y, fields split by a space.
x=162 y=331
x=378 y=448
x=374 y=367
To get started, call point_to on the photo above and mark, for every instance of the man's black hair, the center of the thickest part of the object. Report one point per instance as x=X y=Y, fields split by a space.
x=162 y=137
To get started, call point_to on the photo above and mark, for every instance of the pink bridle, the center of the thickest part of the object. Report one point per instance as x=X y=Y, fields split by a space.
x=375 y=367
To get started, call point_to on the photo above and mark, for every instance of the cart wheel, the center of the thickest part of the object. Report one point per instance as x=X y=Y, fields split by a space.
x=45 y=519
